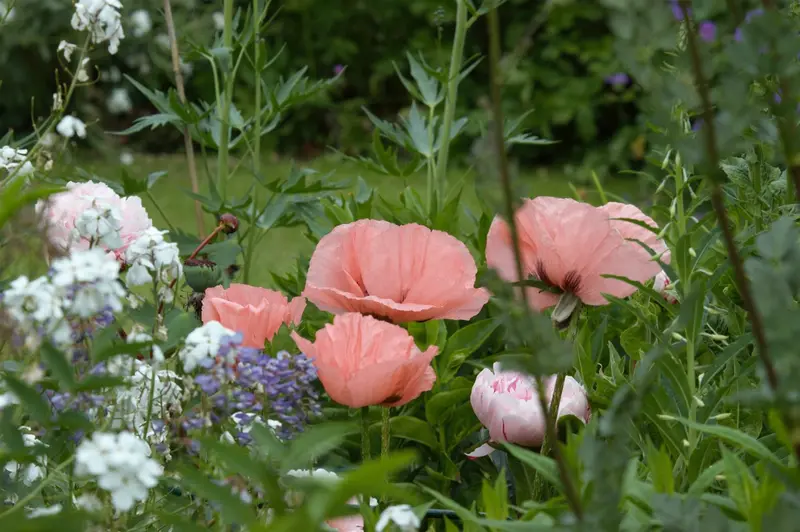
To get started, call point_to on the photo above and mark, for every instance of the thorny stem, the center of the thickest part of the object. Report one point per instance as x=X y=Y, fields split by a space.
x=787 y=129
x=570 y=492
x=187 y=138
x=719 y=208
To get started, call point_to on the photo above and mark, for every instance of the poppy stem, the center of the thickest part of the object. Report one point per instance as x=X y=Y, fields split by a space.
x=555 y=402
x=385 y=443
x=365 y=454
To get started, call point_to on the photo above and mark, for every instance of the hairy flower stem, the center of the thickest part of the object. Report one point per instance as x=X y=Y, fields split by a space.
x=453 y=76
x=787 y=129
x=187 y=137
x=571 y=494
x=365 y=453
x=224 y=106
x=385 y=428
x=718 y=204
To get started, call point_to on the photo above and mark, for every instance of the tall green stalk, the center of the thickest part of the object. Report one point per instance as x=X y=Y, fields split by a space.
x=224 y=106
x=456 y=58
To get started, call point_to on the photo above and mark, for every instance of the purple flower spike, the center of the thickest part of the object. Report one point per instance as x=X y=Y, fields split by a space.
x=707 y=31
x=338 y=69
x=697 y=125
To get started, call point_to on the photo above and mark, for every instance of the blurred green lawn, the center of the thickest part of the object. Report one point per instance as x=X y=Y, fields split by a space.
x=279 y=249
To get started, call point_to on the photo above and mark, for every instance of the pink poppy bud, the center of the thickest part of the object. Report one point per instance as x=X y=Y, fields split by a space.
x=256 y=312
x=362 y=361
x=400 y=272
x=507 y=404
x=660 y=285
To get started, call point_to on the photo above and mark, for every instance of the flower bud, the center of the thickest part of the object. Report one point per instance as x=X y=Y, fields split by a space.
x=229 y=222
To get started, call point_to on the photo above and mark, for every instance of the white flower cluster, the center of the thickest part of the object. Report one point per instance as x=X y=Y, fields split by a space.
x=121 y=464
x=141 y=22
x=30 y=473
x=151 y=255
x=119 y=101
x=13 y=160
x=102 y=19
x=133 y=402
x=36 y=309
x=89 y=281
x=202 y=344
x=82 y=285
x=100 y=224
x=70 y=126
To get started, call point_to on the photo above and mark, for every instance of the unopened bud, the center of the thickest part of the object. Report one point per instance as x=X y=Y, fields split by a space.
x=230 y=223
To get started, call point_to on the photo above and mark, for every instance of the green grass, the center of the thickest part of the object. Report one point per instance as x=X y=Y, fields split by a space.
x=279 y=248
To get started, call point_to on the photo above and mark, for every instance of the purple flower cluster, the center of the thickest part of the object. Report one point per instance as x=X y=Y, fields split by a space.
x=256 y=384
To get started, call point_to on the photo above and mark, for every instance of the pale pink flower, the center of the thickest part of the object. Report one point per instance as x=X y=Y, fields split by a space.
x=620 y=213
x=570 y=245
x=507 y=404
x=256 y=312
x=403 y=273
x=362 y=361
x=61 y=211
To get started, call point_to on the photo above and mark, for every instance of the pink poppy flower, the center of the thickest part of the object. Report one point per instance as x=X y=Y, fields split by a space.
x=403 y=273
x=570 y=245
x=61 y=211
x=362 y=361
x=507 y=403
x=256 y=312
x=620 y=213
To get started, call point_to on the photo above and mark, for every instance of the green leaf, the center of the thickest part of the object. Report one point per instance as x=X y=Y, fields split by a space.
x=98 y=382
x=231 y=507
x=736 y=437
x=32 y=401
x=179 y=324
x=439 y=408
x=543 y=465
x=373 y=477
x=411 y=428
x=57 y=362
x=461 y=345
x=315 y=442
x=660 y=465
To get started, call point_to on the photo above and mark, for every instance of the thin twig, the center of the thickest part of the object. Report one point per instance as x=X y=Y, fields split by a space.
x=494 y=58
x=187 y=138
x=719 y=203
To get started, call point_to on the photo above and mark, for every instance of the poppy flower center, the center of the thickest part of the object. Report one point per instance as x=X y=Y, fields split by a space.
x=571 y=283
